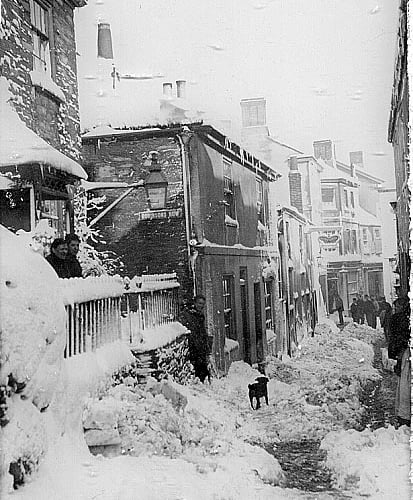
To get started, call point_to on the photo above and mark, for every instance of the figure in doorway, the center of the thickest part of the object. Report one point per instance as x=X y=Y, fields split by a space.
x=354 y=311
x=339 y=307
x=73 y=242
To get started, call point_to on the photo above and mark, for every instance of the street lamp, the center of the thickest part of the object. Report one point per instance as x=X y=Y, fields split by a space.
x=156 y=185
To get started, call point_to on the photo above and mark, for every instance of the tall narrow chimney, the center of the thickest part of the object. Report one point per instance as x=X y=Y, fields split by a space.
x=294 y=180
x=356 y=158
x=180 y=88
x=105 y=48
x=167 y=89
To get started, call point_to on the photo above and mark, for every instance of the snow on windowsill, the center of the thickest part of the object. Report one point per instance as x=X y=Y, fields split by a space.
x=43 y=80
x=229 y=221
x=230 y=345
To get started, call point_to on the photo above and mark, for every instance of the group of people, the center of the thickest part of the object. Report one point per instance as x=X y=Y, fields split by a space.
x=368 y=308
x=63 y=257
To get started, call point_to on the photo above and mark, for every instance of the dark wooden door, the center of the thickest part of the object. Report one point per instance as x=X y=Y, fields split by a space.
x=258 y=321
x=245 y=315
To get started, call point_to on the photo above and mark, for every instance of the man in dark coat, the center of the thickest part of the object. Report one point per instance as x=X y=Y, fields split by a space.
x=73 y=264
x=57 y=258
x=385 y=316
x=200 y=344
x=369 y=311
x=339 y=307
x=399 y=339
x=354 y=311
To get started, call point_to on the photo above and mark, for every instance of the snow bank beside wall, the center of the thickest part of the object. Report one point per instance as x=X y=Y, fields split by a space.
x=376 y=464
x=42 y=394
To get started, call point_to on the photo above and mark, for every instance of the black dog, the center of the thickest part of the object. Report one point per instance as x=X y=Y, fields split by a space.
x=258 y=390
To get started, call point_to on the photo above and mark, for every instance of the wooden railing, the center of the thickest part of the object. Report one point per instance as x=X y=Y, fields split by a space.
x=105 y=309
x=149 y=301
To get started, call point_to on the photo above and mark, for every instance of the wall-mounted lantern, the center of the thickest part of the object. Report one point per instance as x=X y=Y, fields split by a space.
x=156 y=185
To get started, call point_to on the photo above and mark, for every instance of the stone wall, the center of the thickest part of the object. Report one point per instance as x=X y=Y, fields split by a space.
x=54 y=120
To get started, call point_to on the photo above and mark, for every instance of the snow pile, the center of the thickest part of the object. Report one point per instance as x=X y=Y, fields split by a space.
x=363 y=332
x=154 y=338
x=77 y=290
x=32 y=345
x=320 y=387
x=375 y=464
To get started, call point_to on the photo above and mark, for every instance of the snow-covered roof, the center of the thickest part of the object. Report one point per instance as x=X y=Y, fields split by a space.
x=366 y=218
x=107 y=131
x=21 y=146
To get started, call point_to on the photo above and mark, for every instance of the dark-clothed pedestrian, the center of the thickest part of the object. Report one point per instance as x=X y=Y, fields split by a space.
x=360 y=305
x=200 y=343
x=57 y=258
x=399 y=340
x=73 y=265
x=339 y=307
x=385 y=316
x=354 y=311
x=369 y=311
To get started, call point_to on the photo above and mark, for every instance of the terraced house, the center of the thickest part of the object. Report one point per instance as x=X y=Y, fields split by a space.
x=199 y=207
x=39 y=121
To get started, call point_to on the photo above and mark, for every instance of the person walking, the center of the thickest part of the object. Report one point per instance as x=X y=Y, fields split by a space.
x=354 y=311
x=369 y=310
x=360 y=306
x=385 y=316
x=57 y=258
x=199 y=342
x=399 y=349
x=376 y=311
x=339 y=308
x=74 y=268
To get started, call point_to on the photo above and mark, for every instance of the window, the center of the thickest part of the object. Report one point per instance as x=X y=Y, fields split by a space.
x=39 y=17
x=346 y=198
x=328 y=197
x=353 y=241
x=228 y=300
x=365 y=236
x=228 y=190
x=260 y=199
x=287 y=234
x=269 y=321
x=352 y=199
x=301 y=243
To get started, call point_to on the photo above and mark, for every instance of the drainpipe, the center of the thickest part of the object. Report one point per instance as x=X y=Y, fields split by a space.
x=183 y=139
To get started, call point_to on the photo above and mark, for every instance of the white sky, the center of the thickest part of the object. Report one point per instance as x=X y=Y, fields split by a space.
x=324 y=66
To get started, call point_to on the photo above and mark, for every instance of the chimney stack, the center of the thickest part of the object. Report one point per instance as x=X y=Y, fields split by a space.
x=167 y=89
x=356 y=158
x=254 y=112
x=324 y=150
x=180 y=89
x=294 y=180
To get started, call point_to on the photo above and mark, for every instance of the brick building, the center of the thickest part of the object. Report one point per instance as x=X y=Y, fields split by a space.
x=398 y=135
x=39 y=139
x=211 y=229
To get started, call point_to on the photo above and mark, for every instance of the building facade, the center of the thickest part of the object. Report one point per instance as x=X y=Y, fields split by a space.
x=40 y=135
x=351 y=242
x=211 y=227
x=398 y=135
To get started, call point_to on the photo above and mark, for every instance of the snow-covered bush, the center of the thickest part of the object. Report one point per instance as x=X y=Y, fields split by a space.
x=376 y=464
x=92 y=261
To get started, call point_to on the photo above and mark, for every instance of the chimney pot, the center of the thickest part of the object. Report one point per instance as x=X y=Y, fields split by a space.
x=292 y=163
x=254 y=112
x=356 y=158
x=167 y=89
x=324 y=150
x=180 y=88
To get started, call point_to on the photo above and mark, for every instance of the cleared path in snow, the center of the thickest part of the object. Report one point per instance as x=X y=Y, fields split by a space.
x=303 y=461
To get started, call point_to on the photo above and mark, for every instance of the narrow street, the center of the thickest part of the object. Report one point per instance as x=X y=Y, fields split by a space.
x=303 y=461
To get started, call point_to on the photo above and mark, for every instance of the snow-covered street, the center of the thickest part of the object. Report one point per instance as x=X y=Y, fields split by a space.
x=205 y=442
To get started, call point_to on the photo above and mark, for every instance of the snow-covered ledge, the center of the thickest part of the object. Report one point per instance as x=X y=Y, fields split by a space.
x=43 y=80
